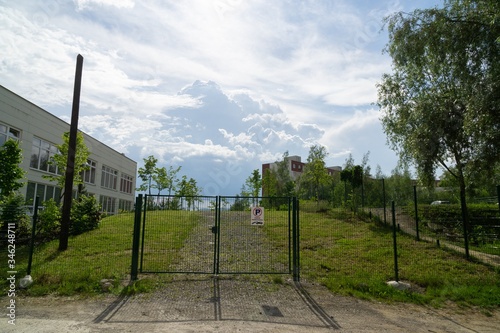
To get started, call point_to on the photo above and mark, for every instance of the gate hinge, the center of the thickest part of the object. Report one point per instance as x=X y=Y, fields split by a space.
x=214 y=229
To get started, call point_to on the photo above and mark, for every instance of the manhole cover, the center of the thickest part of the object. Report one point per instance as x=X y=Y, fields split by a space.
x=272 y=311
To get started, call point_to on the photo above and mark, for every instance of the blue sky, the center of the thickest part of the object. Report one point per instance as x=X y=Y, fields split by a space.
x=217 y=87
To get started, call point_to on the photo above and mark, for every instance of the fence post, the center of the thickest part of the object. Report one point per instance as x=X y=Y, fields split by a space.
x=396 y=271
x=144 y=208
x=498 y=197
x=295 y=240
x=218 y=204
x=362 y=194
x=136 y=237
x=32 y=240
x=383 y=198
x=416 y=210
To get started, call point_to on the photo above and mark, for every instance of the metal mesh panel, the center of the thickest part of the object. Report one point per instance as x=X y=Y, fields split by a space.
x=207 y=235
x=252 y=248
x=177 y=235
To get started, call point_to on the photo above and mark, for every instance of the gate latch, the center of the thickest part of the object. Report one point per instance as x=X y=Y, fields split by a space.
x=214 y=229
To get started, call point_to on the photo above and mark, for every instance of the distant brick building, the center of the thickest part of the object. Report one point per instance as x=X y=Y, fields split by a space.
x=296 y=167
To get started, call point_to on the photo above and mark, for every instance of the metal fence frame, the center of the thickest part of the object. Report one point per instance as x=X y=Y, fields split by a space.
x=141 y=217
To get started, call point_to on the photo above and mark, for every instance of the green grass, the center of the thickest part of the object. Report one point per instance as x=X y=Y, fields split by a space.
x=164 y=235
x=348 y=255
x=103 y=253
x=353 y=257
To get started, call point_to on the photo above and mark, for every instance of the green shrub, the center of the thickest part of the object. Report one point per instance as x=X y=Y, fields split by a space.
x=85 y=214
x=12 y=210
x=49 y=221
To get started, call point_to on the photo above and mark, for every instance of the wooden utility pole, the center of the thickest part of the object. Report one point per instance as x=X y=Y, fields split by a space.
x=70 y=164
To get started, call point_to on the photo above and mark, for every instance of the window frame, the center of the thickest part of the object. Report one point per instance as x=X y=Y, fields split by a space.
x=109 y=177
x=9 y=134
x=48 y=150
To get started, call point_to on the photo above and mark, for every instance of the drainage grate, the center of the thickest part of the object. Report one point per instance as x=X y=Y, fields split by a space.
x=272 y=311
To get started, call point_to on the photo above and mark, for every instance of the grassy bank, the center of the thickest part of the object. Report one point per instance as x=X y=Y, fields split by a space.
x=355 y=257
x=348 y=255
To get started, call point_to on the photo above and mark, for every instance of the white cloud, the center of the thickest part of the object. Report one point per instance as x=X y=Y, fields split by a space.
x=285 y=74
x=84 y=4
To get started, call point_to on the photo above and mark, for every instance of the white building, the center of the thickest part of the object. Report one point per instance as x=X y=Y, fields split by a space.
x=111 y=177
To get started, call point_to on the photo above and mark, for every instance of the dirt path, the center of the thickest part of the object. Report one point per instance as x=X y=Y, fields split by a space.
x=242 y=247
x=232 y=305
x=407 y=225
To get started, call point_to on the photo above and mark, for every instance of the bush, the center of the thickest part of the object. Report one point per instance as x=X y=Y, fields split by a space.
x=12 y=210
x=85 y=214
x=49 y=221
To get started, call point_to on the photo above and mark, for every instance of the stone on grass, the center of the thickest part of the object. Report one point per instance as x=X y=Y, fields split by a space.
x=399 y=285
x=106 y=285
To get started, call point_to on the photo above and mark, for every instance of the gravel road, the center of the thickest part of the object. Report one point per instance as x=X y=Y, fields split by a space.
x=232 y=305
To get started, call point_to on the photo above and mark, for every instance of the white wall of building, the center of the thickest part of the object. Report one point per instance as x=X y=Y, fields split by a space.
x=33 y=123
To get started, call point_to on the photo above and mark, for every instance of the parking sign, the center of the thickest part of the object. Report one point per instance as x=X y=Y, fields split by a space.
x=257 y=217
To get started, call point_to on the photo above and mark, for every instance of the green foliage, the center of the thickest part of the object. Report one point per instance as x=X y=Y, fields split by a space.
x=143 y=285
x=441 y=105
x=315 y=177
x=85 y=214
x=240 y=204
x=49 y=221
x=445 y=222
x=10 y=171
x=399 y=186
x=188 y=190
x=165 y=179
x=353 y=175
x=60 y=160
x=277 y=182
x=254 y=183
x=12 y=210
x=147 y=172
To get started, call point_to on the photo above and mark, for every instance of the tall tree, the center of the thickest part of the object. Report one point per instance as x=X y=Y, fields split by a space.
x=147 y=172
x=285 y=185
x=11 y=203
x=269 y=183
x=165 y=179
x=189 y=190
x=352 y=174
x=10 y=171
x=441 y=104
x=254 y=184
x=315 y=173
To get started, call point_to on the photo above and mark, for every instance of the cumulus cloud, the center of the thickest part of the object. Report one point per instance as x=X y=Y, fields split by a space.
x=201 y=82
x=83 y=4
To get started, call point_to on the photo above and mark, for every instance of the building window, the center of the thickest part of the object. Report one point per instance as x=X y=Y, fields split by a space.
x=44 y=192
x=41 y=154
x=126 y=182
x=109 y=177
x=88 y=176
x=125 y=205
x=107 y=204
x=7 y=132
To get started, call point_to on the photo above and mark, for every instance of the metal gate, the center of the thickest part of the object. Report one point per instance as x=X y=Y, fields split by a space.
x=215 y=235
